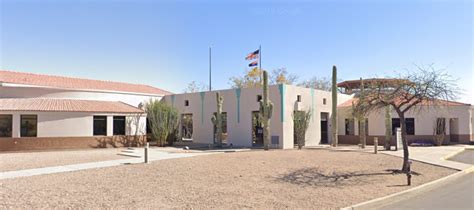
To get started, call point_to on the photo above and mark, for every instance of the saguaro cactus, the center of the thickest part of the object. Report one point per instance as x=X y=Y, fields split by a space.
x=334 y=107
x=266 y=109
x=218 y=118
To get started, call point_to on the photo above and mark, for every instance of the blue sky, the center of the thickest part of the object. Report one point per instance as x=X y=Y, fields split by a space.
x=165 y=43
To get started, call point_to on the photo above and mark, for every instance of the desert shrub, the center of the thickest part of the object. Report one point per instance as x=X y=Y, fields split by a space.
x=163 y=120
x=301 y=123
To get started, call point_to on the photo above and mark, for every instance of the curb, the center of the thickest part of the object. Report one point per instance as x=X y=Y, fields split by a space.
x=386 y=200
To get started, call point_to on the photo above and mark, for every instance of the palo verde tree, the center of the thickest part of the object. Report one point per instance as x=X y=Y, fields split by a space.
x=253 y=78
x=415 y=90
x=319 y=83
x=194 y=87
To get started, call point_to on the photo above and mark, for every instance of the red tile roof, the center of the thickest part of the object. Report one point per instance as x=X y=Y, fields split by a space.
x=76 y=83
x=348 y=103
x=65 y=105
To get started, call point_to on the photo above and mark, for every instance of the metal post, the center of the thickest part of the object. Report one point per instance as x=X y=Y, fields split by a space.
x=409 y=173
x=376 y=144
x=147 y=146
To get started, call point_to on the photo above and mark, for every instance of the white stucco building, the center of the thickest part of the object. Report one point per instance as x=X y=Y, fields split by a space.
x=53 y=112
x=240 y=107
x=240 y=104
x=48 y=112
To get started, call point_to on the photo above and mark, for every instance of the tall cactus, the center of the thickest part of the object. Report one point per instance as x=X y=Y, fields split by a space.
x=388 y=126
x=266 y=109
x=218 y=118
x=334 y=107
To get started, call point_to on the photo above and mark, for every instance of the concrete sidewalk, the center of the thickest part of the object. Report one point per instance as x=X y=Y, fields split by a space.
x=154 y=155
x=434 y=155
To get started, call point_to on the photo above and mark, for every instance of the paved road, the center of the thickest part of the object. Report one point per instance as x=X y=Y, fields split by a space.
x=467 y=156
x=456 y=194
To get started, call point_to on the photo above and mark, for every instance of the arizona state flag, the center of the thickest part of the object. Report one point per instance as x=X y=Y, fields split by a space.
x=252 y=55
x=255 y=63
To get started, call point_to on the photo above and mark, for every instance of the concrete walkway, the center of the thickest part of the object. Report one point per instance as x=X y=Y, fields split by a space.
x=154 y=155
x=434 y=155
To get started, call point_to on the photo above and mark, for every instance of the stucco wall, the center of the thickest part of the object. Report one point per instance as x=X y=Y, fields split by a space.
x=29 y=92
x=424 y=120
x=239 y=133
x=311 y=100
x=75 y=124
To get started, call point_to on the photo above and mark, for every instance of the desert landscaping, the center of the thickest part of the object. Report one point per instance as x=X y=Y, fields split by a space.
x=26 y=160
x=309 y=178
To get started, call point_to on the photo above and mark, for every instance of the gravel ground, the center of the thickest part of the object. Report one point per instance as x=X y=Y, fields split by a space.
x=273 y=179
x=27 y=160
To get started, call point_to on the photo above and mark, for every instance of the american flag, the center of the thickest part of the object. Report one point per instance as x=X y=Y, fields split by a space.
x=252 y=55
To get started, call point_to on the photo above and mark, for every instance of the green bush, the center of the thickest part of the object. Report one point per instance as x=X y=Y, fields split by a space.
x=163 y=121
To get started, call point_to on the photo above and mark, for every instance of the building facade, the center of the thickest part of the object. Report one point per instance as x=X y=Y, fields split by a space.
x=240 y=108
x=456 y=120
x=52 y=112
x=40 y=112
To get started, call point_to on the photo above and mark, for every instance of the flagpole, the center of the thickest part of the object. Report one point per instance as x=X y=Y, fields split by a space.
x=260 y=62
x=210 y=70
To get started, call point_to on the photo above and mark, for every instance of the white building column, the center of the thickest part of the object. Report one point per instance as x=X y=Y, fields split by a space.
x=16 y=121
x=110 y=125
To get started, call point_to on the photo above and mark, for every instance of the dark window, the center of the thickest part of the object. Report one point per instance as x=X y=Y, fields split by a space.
x=259 y=98
x=349 y=126
x=186 y=102
x=324 y=101
x=29 y=125
x=148 y=126
x=409 y=122
x=119 y=125
x=6 y=125
x=100 y=125
x=298 y=98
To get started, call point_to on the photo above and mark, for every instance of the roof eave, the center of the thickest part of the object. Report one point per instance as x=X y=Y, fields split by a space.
x=78 y=89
